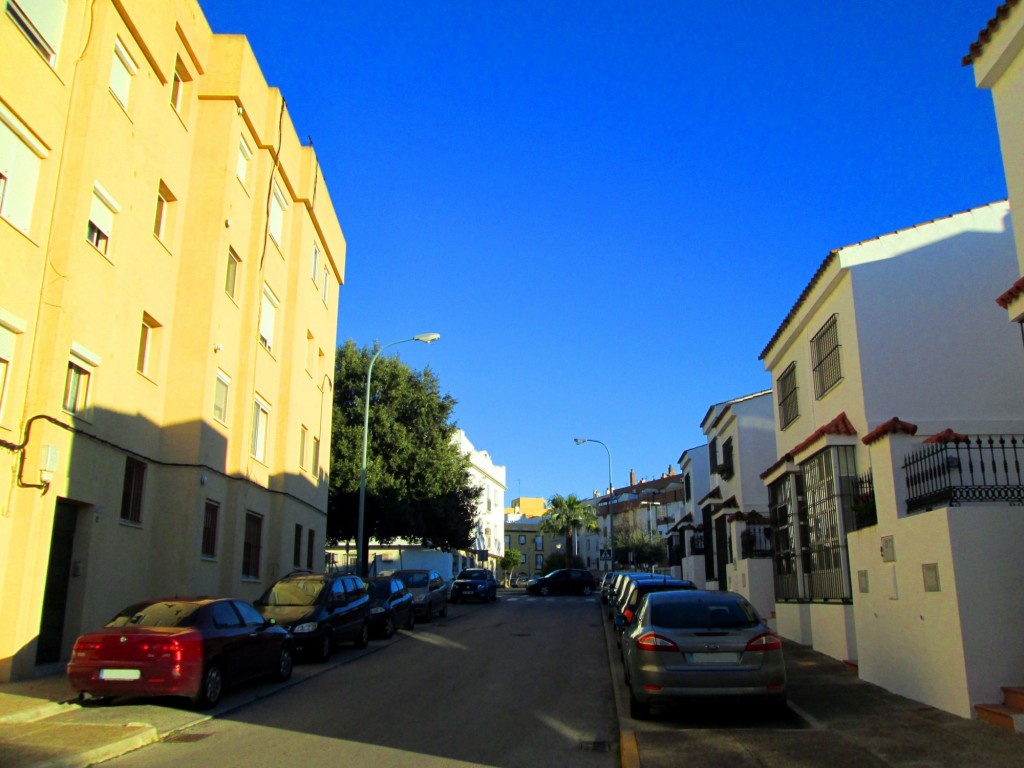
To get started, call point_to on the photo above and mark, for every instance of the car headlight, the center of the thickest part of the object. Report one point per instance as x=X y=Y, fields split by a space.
x=377 y=609
x=419 y=598
x=309 y=626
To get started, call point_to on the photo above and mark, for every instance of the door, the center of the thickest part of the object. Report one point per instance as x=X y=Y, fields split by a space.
x=55 y=594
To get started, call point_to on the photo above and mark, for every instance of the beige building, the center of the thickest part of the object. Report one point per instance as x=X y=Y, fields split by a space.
x=171 y=265
x=999 y=67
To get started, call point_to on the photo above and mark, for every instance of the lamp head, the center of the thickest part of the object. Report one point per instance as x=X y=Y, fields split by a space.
x=580 y=440
x=427 y=338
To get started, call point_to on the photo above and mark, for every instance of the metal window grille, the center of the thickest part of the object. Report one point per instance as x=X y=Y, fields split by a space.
x=787 y=394
x=827 y=484
x=251 y=546
x=785 y=521
x=825 y=357
x=131 y=498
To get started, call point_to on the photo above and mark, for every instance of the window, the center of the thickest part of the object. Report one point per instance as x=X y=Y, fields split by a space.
x=713 y=454
x=148 y=346
x=221 y=387
x=310 y=544
x=10 y=327
x=251 y=546
x=179 y=84
x=76 y=389
x=277 y=208
x=522 y=558
x=522 y=539
x=316 y=262
x=828 y=482
x=268 y=315
x=209 y=546
x=231 y=275
x=508 y=541
x=242 y=163
x=41 y=21
x=538 y=543
x=687 y=488
x=303 y=442
x=131 y=496
x=20 y=155
x=825 y=357
x=324 y=287
x=315 y=466
x=164 y=208
x=726 y=469
x=538 y=562
x=786 y=393
x=260 y=425
x=297 y=547
x=122 y=70
x=101 y=219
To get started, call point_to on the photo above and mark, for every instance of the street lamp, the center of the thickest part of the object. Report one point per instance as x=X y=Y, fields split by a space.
x=426 y=338
x=611 y=518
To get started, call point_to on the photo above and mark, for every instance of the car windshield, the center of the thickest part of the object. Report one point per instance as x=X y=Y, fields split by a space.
x=703 y=614
x=413 y=580
x=380 y=588
x=173 y=613
x=474 y=574
x=293 y=592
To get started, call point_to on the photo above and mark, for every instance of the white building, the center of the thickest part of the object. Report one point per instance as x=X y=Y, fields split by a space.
x=489 y=531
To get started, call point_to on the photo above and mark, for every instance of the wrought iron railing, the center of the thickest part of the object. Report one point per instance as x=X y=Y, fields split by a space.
x=756 y=541
x=696 y=546
x=976 y=468
x=862 y=503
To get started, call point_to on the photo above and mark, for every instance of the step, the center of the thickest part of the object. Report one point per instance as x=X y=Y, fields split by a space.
x=852 y=667
x=1013 y=696
x=1001 y=716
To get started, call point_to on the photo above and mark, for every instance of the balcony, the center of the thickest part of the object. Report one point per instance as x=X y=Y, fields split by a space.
x=965 y=469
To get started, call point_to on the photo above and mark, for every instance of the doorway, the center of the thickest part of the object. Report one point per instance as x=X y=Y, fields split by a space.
x=58 y=574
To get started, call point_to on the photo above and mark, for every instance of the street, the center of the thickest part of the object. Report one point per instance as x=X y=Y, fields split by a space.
x=523 y=681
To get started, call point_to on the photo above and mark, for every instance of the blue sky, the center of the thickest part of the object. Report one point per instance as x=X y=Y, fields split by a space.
x=606 y=208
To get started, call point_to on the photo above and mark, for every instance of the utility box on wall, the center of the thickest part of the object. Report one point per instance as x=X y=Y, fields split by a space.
x=888 y=549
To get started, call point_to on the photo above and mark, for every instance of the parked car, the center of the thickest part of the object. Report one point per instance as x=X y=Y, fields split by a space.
x=319 y=610
x=429 y=591
x=564 y=581
x=190 y=647
x=475 y=584
x=609 y=580
x=391 y=605
x=620 y=580
x=691 y=643
x=635 y=589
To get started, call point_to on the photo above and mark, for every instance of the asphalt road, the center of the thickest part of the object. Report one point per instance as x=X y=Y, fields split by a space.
x=517 y=683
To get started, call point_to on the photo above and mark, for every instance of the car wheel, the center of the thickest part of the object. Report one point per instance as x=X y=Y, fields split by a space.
x=638 y=710
x=284 y=665
x=389 y=626
x=411 y=621
x=210 y=687
x=363 y=638
x=587 y=590
x=444 y=610
x=323 y=653
x=427 y=614
x=545 y=591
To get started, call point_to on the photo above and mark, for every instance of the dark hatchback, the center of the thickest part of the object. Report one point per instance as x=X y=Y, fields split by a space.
x=391 y=605
x=475 y=584
x=564 y=581
x=179 y=647
x=319 y=610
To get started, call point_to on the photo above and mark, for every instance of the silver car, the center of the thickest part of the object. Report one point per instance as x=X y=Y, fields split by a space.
x=692 y=643
x=429 y=591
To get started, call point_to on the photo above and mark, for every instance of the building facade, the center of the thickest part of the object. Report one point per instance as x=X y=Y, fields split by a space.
x=172 y=264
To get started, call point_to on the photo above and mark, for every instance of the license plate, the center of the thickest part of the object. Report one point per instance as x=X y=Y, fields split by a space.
x=712 y=658
x=120 y=674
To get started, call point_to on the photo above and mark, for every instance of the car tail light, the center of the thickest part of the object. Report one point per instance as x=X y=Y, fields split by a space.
x=83 y=646
x=765 y=642
x=163 y=649
x=652 y=641
x=628 y=615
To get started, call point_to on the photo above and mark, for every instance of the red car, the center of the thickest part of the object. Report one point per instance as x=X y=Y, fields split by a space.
x=180 y=647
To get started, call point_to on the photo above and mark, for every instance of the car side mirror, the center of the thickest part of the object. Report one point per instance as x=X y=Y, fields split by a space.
x=620 y=622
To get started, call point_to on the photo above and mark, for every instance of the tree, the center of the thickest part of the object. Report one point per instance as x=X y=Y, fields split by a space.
x=510 y=563
x=647 y=550
x=567 y=516
x=418 y=485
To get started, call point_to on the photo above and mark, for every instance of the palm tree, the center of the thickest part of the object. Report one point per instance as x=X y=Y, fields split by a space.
x=567 y=516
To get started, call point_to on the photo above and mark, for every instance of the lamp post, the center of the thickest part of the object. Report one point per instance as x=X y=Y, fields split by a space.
x=426 y=338
x=611 y=517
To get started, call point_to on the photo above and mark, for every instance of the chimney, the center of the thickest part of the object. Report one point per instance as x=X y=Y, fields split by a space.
x=632 y=477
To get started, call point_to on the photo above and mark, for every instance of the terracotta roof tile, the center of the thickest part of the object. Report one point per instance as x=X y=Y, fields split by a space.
x=840 y=425
x=1015 y=290
x=947 y=436
x=891 y=427
x=978 y=46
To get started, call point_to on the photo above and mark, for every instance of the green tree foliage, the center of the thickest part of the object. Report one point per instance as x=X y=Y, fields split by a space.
x=418 y=485
x=510 y=563
x=646 y=550
x=568 y=515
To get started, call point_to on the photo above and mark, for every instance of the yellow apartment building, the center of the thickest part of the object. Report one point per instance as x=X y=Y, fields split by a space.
x=170 y=264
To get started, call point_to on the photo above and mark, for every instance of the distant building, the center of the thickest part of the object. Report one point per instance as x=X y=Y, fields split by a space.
x=168 y=310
